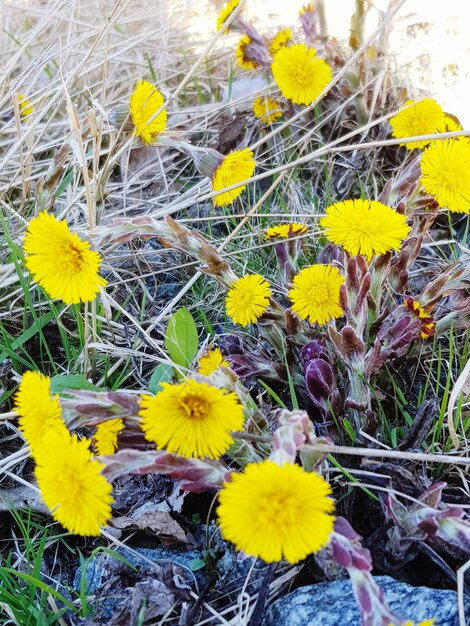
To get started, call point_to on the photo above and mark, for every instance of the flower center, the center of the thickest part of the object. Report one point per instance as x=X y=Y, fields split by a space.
x=301 y=75
x=448 y=178
x=318 y=293
x=280 y=509
x=71 y=258
x=245 y=298
x=73 y=487
x=195 y=408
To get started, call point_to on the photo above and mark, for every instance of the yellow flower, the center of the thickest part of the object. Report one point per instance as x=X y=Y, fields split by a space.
x=280 y=40
x=60 y=261
x=235 y=167
x=450 y=125
x=248 y=299
x=212 y=360
x=144 y=103
x=191 y=419
x=226 y=12
x=106 y=436
x=315 y=293
x=276 y=512
x=365 y=227
x=417 y=118
x=72 y=485
x=428 y=325
x=300 y=74
x=445 y=169
x=25 y=105
x=267 y=109
x=38 y=411
x=242 y=54
x=308 y=8
x=283 y=231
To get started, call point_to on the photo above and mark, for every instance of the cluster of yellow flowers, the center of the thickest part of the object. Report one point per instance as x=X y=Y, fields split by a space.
x=192 y=419
x=69 y=477
x=365 y=227
x=445 y=164
x=269 y=511
x=66 y=267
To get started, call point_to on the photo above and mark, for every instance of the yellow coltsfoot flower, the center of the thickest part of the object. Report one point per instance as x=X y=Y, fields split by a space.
x=315 y=293
x=248 y=299
x=428 y=325
x=62 y=263
x=39 y=412
x=365 y=227
x=26 y=108
x=243 y=55
x=145 y=101
x=445 y=173
x=235 y=167
x=280 y=40
x=267 y=109
x=191 y=419
x=106 y=436
x=417 y=118
x=225 y=13
x=276 y=512
x=300 y=74
x=284 y=231
x=72 y=484
x=212 y=360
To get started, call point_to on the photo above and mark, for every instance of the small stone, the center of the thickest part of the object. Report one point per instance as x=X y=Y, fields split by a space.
x=334 y=604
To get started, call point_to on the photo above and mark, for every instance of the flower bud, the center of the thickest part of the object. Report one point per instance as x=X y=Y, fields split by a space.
x=322 y=387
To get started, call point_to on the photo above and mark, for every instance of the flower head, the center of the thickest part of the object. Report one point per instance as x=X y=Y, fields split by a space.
x=38 y=411
x=428 y=326
x=235 y=167
x=365 y=227
x=300 y=74
x=144 y=103
x=71 y=483
x=284 y=231
x=226 y=12
x=191 y=419
x=445 y=169
x=450 y=125
x=267 y=109
x=315 y=293
x=106 y=436
x=243 y=56
x=25 y=105
x=276 y=512
x=280 y=40
x=212 y=360
x=417 y=118
x=248 y=299
x=61 y=262
x=307 y=8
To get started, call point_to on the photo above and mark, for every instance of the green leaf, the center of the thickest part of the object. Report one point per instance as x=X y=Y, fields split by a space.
x=61 y=382
x=196 y=564
x=181 y=338
x=163 y=373
x=349 y=429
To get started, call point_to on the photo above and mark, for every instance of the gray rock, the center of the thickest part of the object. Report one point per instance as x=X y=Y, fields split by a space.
x=333 y=604
x=159 y=572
